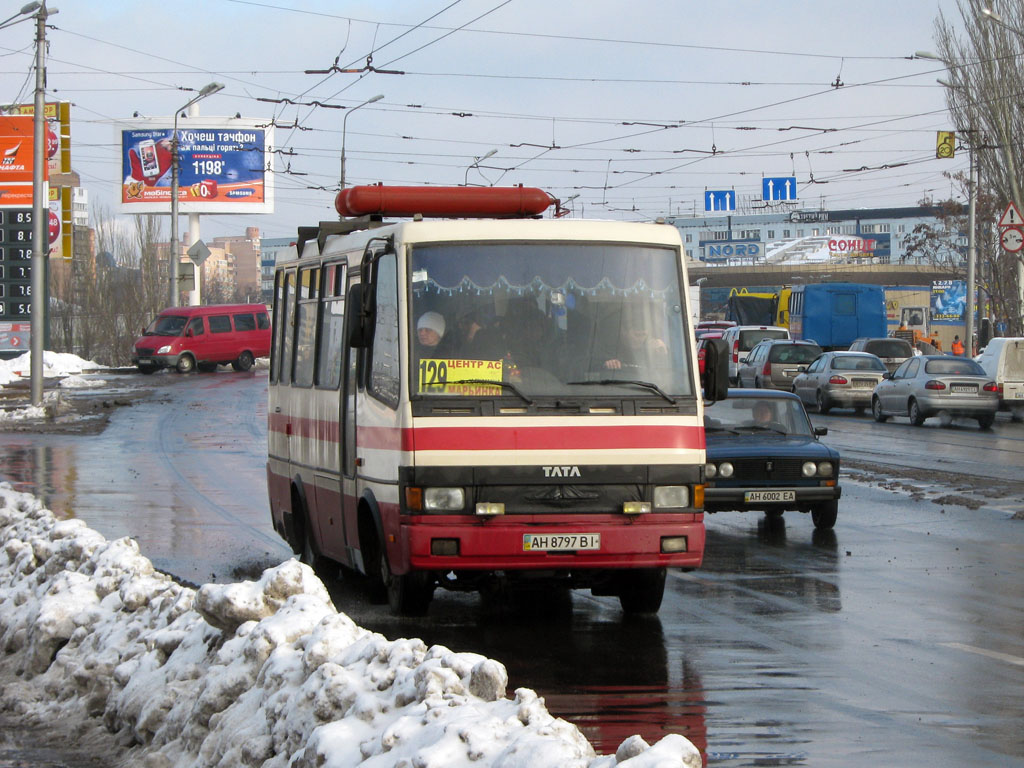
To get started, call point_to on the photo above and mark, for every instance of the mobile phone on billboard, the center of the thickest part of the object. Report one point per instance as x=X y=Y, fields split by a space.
x=147 y=155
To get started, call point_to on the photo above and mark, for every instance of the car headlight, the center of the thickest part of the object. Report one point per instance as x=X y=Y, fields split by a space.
x=825 y=469
x=725 y=469
x=671 y=497
x=164 y=349
x=443 y=499
x=809 y=469
x=710 y=470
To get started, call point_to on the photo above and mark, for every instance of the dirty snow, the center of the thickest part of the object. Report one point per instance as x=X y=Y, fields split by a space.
x=263 y=673
x=54 y=364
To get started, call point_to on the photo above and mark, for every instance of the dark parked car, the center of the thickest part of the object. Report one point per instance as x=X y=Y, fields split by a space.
x=763 y=454
x=931 y=384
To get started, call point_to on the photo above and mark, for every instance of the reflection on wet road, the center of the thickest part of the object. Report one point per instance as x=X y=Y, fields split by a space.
x=181 y=472
x=897 y=639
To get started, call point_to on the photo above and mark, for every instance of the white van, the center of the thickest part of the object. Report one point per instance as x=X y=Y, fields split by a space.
x=1003 y=360
x=743 y=338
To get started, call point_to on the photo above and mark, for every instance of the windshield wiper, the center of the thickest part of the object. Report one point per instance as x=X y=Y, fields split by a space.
x=507 y=384
x=721 y=429
x=636 y=382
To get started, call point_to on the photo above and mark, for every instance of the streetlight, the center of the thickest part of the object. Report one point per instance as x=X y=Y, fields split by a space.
x=344 y=120
x=476 y=164
x=174 y=256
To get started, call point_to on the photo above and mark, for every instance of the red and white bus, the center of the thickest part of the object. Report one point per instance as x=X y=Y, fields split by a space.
x=479 y=394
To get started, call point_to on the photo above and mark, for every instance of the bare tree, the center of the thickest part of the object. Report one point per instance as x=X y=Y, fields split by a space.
x=108 y=295
x=986 y=78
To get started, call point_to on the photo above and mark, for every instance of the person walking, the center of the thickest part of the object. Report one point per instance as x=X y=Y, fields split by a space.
x=957 y=347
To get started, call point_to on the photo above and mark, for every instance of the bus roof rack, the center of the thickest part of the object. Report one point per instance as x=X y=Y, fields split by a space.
x=325 y=229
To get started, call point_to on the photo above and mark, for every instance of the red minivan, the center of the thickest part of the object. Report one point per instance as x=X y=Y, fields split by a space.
x=187 y=338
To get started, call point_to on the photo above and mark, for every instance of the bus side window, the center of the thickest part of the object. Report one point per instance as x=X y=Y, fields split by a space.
x=280 y=301
x=384 y=382
x=332 y=322
x=288 y=329
x=305 y=349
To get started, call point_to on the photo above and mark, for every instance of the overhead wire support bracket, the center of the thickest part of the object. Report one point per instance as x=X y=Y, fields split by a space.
x=367 y=67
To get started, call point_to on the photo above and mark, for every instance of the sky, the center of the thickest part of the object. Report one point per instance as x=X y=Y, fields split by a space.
x=106 y=651
x=621 y=110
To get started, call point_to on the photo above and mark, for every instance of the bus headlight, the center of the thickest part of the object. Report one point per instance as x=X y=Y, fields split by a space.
x=671 y=497
x=443 y=499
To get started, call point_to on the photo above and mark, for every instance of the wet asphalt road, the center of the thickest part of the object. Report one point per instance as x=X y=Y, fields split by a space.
x=897 y=639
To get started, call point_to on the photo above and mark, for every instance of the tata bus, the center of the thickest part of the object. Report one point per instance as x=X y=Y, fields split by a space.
x=475 y=395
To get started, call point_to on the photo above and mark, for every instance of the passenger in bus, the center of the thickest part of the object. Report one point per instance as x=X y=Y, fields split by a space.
x=478 y=339
x=430 y=330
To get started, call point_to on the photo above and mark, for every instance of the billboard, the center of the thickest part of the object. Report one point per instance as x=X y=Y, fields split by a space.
x=222 y=166
x=949 y=301
x=58 y=132
x=16 y=161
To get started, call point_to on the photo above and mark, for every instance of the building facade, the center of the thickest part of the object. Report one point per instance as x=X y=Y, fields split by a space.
x=860 y=235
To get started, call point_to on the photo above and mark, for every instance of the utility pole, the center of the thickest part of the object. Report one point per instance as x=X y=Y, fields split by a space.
x=40 y=215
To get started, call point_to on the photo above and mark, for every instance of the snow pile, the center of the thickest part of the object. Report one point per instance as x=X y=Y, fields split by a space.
x=262 y=673
x=54 y=364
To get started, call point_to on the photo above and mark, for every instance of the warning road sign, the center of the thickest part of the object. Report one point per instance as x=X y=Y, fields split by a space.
x=1011 y=217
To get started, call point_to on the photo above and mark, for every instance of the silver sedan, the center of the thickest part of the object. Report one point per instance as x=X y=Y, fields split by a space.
x=839 y=380
x=932 y=384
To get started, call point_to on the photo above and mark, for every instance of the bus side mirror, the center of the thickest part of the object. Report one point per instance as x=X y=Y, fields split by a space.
x=357 y=318
x=715 y=379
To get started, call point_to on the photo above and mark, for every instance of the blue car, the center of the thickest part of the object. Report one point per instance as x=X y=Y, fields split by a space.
x=763 y=454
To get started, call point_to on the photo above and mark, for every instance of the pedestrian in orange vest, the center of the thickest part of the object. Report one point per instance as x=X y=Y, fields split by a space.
x=958 y=346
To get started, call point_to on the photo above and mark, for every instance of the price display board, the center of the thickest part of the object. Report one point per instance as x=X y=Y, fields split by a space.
x=15 y=263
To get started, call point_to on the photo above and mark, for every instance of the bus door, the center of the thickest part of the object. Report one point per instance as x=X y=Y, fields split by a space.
x=347 y=429
x=327 y=415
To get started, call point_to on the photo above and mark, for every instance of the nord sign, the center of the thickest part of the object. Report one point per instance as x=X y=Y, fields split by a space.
x=733 y=250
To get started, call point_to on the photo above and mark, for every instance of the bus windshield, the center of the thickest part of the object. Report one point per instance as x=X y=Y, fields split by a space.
x=547 y=319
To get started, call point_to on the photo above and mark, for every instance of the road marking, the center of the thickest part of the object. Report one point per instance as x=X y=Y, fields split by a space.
x=991 y=654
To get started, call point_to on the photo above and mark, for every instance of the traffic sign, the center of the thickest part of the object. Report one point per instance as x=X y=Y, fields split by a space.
x=1011 y=217
x=719 y=200
x=778 y=188
x=198 y=253
x=1012 y=239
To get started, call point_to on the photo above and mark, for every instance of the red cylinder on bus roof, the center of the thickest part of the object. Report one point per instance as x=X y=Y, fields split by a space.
x=455 y=202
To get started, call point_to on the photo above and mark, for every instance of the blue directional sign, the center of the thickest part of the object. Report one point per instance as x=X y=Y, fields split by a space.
x=719 y=200
x=778 y=188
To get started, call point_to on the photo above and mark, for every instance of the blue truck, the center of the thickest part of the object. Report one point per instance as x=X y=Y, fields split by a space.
x=834 y=314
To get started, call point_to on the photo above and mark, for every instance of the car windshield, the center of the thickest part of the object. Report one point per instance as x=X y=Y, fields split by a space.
x=167 y=325
x=520 y=320
x=953 y=367
x=857 y=363
x=747 y=415
x=888 y=348
x=793 y=353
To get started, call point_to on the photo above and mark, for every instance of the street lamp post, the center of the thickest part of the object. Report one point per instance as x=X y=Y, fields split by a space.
x=174 y=255
x=344 y=121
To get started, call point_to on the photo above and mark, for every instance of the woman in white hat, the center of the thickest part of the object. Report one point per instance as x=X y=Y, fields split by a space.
x=429 y=334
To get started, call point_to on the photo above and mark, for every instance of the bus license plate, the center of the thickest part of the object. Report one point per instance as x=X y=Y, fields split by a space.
x=559 y=542
x=752 y=496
